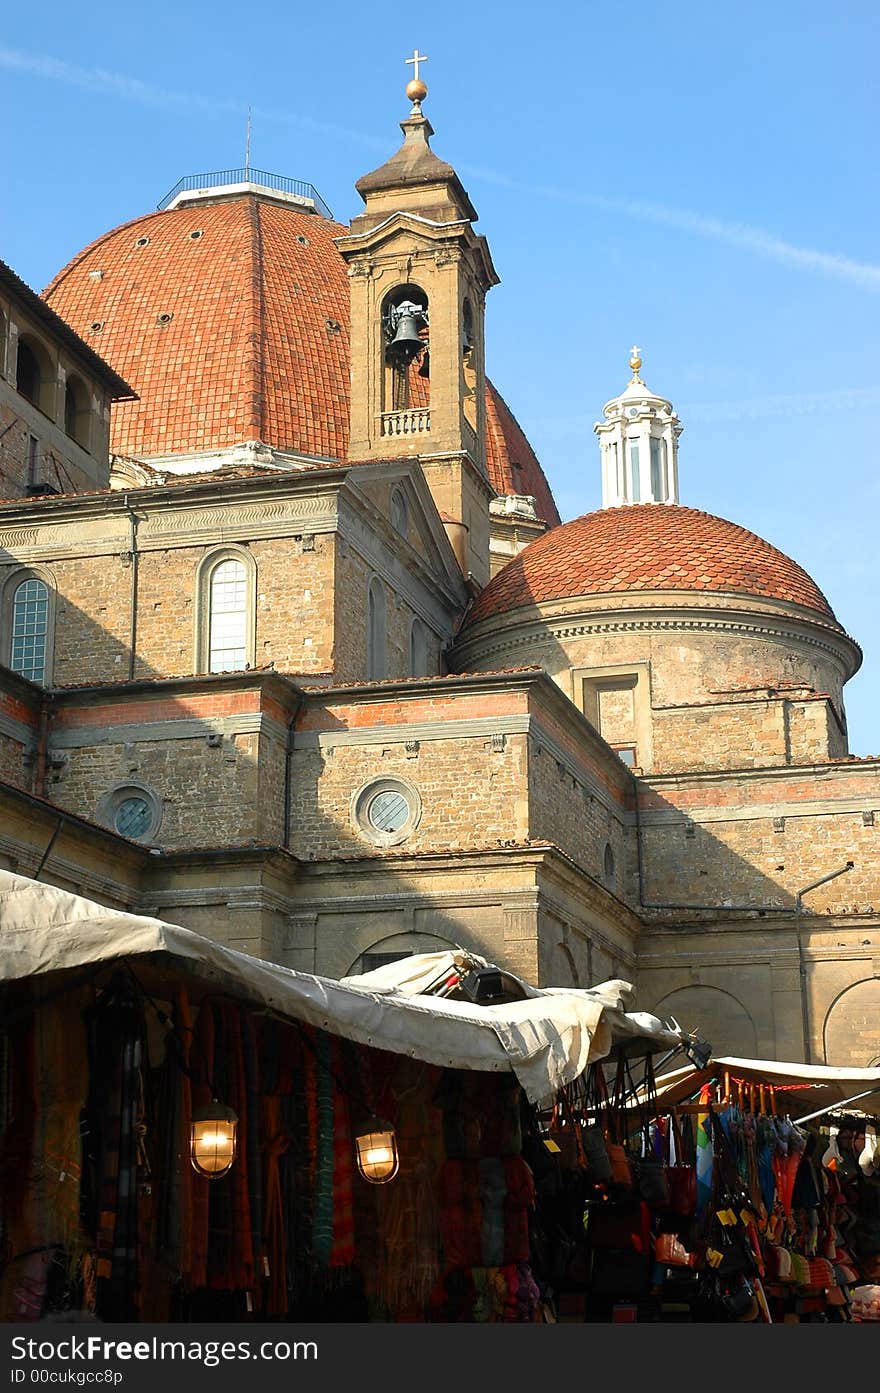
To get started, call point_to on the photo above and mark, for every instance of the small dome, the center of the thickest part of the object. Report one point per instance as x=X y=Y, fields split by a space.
x=648 y=547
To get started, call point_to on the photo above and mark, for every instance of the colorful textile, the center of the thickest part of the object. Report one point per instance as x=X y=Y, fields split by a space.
x=705 y=1153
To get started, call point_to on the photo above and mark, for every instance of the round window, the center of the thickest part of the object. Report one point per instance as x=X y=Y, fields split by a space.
x=132 y=809
x=386 y=811
x=133 y=817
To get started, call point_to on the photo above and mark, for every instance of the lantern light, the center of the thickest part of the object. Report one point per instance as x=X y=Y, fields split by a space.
x=213 y=1142
x=377 y=1156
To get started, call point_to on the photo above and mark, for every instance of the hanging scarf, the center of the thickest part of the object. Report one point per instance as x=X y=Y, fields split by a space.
x=406 y=1211
x=493 y=1193
x=322 y=1222
x=705 y=1154
x=230 y=1241
x=113 y=1117
x=202 y=1066
x=275 y=1143
x=252 y=1140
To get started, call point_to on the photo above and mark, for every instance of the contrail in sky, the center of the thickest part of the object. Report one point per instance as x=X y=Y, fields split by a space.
x=737 y=234
x=131 y=89
x=742 y=235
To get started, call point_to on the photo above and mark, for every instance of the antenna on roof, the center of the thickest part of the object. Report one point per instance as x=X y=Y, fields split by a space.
x=247 y=149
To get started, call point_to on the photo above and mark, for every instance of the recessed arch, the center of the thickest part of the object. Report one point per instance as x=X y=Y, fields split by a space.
x=393 y=947
x=718 y=1015
x=404 y=339
x=851 y=1029
x=377 y=659
x=34 y=373
x=418 y=649
x=77 y=410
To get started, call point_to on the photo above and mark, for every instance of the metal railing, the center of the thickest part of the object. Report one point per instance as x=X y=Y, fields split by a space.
x=246 y=175
x=414 y=421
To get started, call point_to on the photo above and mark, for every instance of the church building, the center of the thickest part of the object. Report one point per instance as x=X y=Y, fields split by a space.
x=296 y=651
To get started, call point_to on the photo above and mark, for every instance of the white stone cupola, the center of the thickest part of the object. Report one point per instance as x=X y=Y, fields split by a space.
x=639 y=443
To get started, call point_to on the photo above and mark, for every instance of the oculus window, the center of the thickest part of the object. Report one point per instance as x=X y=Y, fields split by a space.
x=386 y=811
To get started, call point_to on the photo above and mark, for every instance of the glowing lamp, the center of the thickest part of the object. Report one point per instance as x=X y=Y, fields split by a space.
x=377 y=1152
x=213 y=1140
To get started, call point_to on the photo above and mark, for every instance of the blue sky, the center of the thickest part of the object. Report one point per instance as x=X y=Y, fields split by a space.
x=698 y=179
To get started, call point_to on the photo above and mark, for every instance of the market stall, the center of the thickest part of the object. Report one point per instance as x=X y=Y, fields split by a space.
x=740 y=1190
x=191 y=1133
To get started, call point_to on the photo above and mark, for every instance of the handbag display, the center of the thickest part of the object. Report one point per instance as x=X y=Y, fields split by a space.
x=653 y=1182
x=682 y=1176
x=669 y=1249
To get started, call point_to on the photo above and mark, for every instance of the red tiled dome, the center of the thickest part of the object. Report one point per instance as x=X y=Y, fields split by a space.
x=257 y=343
x=647 y=546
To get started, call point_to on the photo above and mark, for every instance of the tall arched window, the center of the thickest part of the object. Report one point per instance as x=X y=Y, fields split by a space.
x=418 y=649
x=30 y=629
x=225 y=611
x=33 y=374
x=376 y=660
x=228 y=617
x=76 y=411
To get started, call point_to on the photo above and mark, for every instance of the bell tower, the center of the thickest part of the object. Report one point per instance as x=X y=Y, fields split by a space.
x=418 y=276
x=639 y=443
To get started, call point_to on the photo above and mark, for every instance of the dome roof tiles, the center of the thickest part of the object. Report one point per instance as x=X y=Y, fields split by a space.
x=257 y=343
x=642 y=547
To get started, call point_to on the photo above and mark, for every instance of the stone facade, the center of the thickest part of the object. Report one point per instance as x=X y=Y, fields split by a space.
x=618 y=759
x=55 y=397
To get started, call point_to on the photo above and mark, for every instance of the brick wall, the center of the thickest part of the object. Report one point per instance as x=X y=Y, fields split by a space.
x=219 y=783
x=690 y=671
x=470 y=796
x=763 y=839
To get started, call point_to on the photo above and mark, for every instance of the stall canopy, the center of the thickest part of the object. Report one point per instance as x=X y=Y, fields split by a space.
x=802 y=1089
x=547 y=1039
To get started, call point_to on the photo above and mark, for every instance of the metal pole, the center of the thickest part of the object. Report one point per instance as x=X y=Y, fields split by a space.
x=798 y=911
x=833 y=1107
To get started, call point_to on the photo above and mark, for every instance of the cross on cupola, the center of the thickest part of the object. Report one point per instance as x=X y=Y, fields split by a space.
x=416 y=89
x=639 y=443
x=416 y=59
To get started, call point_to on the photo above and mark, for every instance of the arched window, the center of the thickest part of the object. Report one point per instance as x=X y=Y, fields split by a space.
x=33 y=373
x=376 y=660
x=77 y=411
x=399 y=512
x=418 y=649
x=30 y=629
x=608 y=866
x=225 y=626
x=227 y=643
x=406 y=394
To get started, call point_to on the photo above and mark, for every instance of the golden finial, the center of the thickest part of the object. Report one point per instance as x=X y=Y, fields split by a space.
x=416 y=89
x=635 y=362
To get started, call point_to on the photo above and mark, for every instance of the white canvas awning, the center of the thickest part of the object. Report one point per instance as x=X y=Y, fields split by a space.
x=547 y=1040
x=804 y=1088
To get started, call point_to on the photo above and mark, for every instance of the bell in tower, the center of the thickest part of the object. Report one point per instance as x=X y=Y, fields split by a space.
x=418 y=275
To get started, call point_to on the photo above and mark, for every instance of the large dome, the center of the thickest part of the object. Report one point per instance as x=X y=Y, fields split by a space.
x=642 y=547
x=230 y=319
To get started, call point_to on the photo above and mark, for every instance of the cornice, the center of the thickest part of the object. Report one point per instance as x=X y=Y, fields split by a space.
x=788 y=629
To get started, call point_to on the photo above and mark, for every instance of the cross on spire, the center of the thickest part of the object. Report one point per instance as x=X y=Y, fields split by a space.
x=416 y=59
